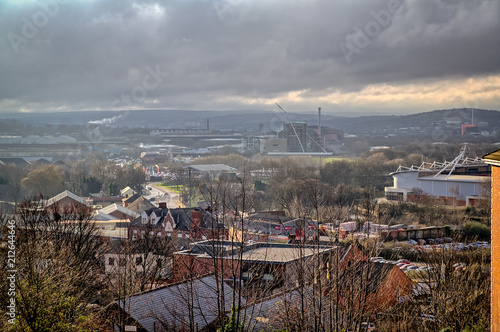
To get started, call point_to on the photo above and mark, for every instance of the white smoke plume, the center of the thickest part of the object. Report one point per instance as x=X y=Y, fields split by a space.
x=106 y=121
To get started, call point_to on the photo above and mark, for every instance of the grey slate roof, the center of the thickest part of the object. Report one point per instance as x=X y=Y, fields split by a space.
x=132 y=198
x=169 y=305
x=257 y=315
x=182 y=218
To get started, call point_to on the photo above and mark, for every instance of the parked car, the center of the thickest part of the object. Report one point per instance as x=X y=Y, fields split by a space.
x=412 y=242
x=421 y=241
x=380 y=260
x=367 y=326
x=459 y=266
x=403 y=261
x=425 y=268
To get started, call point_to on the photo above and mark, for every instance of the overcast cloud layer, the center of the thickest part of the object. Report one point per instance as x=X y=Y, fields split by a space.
x=390 y=56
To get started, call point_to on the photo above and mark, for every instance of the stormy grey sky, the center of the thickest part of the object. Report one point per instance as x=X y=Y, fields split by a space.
x=373 y=56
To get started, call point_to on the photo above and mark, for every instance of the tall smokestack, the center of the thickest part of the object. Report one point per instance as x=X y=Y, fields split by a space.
x=319 y=122
x=208 y=124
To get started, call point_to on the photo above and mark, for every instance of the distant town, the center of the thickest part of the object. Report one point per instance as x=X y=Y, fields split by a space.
x=307 y=227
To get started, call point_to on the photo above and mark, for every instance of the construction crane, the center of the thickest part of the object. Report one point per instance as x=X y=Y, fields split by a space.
x=297 y=135
x=293 y=128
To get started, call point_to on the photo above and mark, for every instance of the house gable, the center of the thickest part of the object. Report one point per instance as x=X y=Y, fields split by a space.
x=168 y=223
x=152 y=218
x=144 y=217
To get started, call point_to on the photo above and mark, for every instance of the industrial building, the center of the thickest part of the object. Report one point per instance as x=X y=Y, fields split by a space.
x=295 y=134
x=462 y=181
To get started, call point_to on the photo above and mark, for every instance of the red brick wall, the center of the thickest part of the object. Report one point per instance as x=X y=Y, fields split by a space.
x=354 y=254
x=394 y=286
x=67 y=204
x=185 y=265
x=495 y=249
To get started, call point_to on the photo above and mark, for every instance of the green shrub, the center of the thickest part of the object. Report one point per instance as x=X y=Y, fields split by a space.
x=476 y=230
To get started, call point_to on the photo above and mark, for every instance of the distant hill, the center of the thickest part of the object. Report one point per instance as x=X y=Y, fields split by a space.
x=251 y=120
x=424 y=120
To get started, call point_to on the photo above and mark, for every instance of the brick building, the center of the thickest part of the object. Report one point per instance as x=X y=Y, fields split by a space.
x=186 y=223
x=120 y=212
x=272 y=265
x=373 y=287
x=493 y=159
x=67 y=201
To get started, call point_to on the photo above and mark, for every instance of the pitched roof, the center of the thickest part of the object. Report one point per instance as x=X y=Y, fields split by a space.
x=65 y=194
x=115 y=207
x=132 y=198
x=14 y=160
x=182 y=218
x=127 y=188
x=492 y=158
x=101 y=216
x=279 y=253
x=259 y=313
x=159 y=212
x=169 y=304
x=140 y=205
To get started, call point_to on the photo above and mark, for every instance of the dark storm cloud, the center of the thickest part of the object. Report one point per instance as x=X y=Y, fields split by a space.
x=93 y=54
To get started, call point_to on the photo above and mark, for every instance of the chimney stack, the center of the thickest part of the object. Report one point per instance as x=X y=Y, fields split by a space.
x=319 y=122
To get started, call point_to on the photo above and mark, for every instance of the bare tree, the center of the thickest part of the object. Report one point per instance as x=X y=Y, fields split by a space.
x=58 y=258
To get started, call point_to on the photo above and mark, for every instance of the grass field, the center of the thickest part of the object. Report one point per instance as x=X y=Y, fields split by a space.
x=325 y=160
x=178 y=189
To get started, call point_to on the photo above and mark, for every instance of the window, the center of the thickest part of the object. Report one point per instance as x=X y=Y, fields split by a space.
x=179 y=235
x=111 y=261
x=169 y=234
x=267 y=277
x=159 y=262
x=394 y=196
x=138 y=260
x=122 y=262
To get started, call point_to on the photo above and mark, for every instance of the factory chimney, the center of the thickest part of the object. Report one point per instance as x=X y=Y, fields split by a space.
x=208 y=124
x=319 y=122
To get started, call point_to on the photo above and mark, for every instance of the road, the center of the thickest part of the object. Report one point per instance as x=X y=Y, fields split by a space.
x=162 y=194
